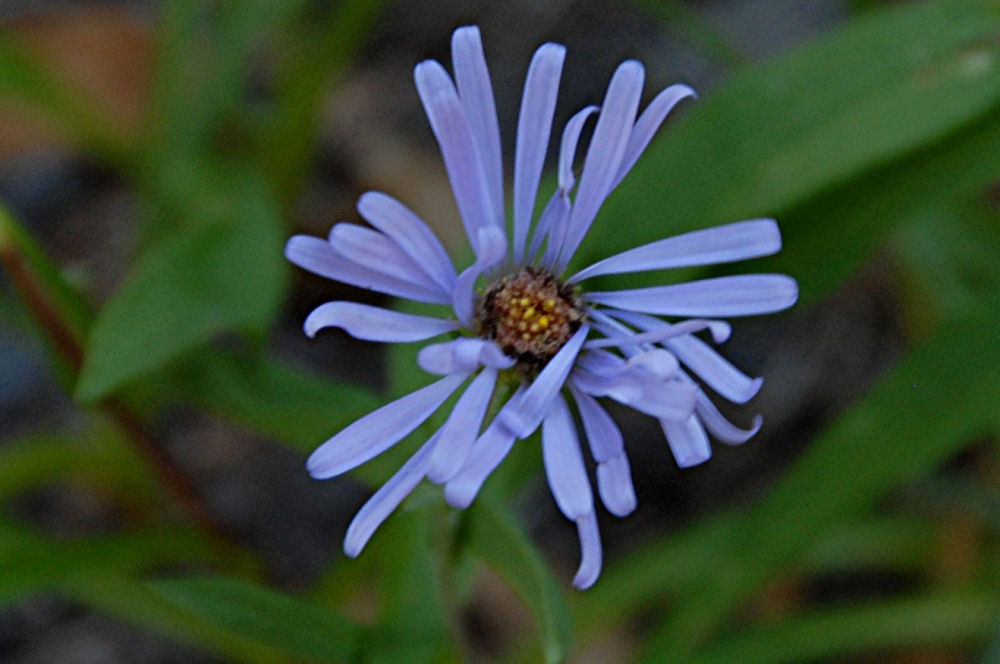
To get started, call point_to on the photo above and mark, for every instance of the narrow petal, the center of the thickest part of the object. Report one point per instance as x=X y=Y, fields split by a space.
x=647 y=124
x=538 y=104
x=604 y=157
x=603 y=435
x=552 y=225
x=370 y=323
x=464 y=354
x=703 y=360
x=475 y=91
x=369 y=248
x=458 y=148
x=688 y=441
x=614 y=482
x=673 y=399
x=410 y=233
x=491 y=246
x=722 y=428
x=722 y=296
x=385 y=501
x=462 y=428
x=723 y=244
x=564 y=467
x=590 y=551
x=487 y=452
x=720 y=332
x=379 y=430
x=526 y=413
x=318 y=256
x=568 y=145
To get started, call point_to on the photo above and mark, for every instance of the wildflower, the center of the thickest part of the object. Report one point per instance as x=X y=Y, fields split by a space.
x=517 y=320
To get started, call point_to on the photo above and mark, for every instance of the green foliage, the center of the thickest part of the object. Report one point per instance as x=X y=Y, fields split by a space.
x=880 y=137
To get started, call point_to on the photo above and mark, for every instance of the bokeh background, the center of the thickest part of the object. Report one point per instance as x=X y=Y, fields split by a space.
x=158 y=398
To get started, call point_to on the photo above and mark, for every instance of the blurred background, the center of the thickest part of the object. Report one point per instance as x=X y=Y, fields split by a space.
x=158 y=398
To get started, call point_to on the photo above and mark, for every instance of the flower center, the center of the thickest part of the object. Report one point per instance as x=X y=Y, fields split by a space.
x=531 y=315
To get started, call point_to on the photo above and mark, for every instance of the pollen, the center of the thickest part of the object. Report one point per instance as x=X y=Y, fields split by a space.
x=531 y=314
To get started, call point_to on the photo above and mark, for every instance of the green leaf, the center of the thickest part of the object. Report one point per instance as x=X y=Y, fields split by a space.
x=288 y=624
x=933 y=620
x=896 y=433
x=220 y=275
x=492 y=535
x=270 y=397
x=776 y=136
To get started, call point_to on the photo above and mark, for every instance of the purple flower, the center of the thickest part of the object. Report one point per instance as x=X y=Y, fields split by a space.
x=522 y=330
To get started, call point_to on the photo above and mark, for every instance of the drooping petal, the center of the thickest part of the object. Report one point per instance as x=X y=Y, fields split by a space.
x=672 y=399
x=385 y=501
x=475 y=91
x=603 y=435
x=564 y=462
x=463 y=354
x=487 y=452
x=590 y=551
x=722 y=428
x=458 y=148
x=318 y=256
x=688 y=441
x=745 y=295
x=462 y=428
x=647 y=124
x=491 y=246
x=369 y=248
x=614 y=483
x=720 y=332
x=370 y=323
x=379 y=430
x=604 y=157
x=723 y=244
x=410 y=233
x=538 y=104
x=525 y=413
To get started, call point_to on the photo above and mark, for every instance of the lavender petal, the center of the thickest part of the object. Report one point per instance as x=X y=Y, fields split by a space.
x=564 y=462
x=647 y=124
x=526 y=413
x=370 y=248
x=723 y=244
x=379 y=430
x=370 y=323
x=458 y=148
x=475 y=91
x=538 y=104
x=385 y=501
x=410 y=233
x=487 y=452
x=722 y=428
x=590 y=550
x=459 y=433
x=319 y=257
x=462 y=355
x=603 y=435
x=568 y=145
x=722 y=296
x=604 y=157
x=614 y=483
x=491 y=245
x=688 y=441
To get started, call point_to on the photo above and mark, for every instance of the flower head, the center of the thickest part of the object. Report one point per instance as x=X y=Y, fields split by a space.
x=518 y=320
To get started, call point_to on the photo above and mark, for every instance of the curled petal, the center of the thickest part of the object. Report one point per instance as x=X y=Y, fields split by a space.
x=370 y=323
x=491 y=245
x=672 y=399
x=410 y=233
x=475 y=91
x=367 y=247
x=319 y=257
x=564 y=463
x=590 y=551
x=567 y=147
x=552 y=225
x=526 y=413
x=385 y=501
x=462 y=355
x=723 y=296
x=603 y=435
x=722 y=428
x=462 y=428
x=723 y=244
x=538 y=104
x=614 y=482
x=379 y=430
x=688 y=441
x=647 y=124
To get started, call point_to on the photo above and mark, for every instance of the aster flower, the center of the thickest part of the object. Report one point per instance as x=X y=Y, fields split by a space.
x=519 y=322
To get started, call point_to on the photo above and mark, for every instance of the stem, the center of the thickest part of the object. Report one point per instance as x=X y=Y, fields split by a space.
x=69 y=350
